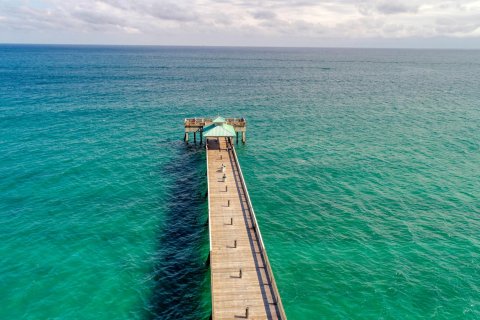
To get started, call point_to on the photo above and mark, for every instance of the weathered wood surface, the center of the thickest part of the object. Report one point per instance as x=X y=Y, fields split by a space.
x=236 y=246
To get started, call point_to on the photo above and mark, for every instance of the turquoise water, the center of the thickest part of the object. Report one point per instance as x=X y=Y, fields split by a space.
x=363 y=167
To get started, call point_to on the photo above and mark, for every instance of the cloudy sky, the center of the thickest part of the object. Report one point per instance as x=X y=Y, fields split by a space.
x=315 y=23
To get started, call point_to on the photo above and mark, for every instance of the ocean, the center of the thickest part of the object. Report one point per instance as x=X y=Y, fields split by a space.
x=363 y=166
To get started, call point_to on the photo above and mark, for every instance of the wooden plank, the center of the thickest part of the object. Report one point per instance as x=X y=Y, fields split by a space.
x=238 y=274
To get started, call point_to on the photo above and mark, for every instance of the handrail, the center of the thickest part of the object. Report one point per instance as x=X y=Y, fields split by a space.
x=275 y=292
x=209 y=221
x=208 y=192
x=200 y=120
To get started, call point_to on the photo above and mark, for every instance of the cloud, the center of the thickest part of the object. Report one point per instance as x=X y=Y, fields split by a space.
x=97 y=18
x=449 y=26
x=266 y=21
x=167 y=11
x=396 y=7
x=264 y=15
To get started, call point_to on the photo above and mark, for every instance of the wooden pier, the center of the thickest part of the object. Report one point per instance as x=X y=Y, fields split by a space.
x=243 y=286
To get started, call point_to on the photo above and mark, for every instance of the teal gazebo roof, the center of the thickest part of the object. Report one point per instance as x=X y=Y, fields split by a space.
x=219 y=120
x=219 y=129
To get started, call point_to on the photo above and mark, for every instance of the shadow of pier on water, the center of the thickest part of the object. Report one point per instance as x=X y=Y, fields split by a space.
x=182 y=285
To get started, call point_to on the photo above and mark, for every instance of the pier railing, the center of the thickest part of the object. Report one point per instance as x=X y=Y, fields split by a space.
x=208 y=194
x=236 y=122
x=269 y=270
x=209 y=220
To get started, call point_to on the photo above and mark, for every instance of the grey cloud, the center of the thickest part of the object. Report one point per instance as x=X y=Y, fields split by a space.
x=274 y=3
x=180 y=11
x=264 y=15
x=223 y=19
x=164 y=10
x=96 y=18
x=25 y=18
x=396 y=7
x=121 y=4
x=453 y=26
x=253 y=19
x=171 y=11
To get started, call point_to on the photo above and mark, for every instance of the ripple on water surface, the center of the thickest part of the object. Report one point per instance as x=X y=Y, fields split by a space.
x=362 y=167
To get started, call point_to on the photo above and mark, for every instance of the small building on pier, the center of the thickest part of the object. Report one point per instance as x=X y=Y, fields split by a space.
x=218 y=127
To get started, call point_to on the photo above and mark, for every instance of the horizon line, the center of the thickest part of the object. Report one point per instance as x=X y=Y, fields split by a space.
x=230 y=46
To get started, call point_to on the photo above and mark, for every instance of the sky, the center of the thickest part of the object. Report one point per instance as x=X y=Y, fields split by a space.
x=284 y=23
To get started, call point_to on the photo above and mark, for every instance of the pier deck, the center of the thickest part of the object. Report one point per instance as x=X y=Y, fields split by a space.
x=242 y=281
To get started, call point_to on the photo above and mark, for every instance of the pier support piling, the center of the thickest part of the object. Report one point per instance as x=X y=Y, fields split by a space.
x=207 y=262
x=244 y=136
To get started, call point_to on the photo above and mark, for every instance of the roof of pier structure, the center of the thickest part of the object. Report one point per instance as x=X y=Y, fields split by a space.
x=219 y=120
x=219 y=128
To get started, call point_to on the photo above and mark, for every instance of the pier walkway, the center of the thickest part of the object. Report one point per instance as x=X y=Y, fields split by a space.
x=242 y=280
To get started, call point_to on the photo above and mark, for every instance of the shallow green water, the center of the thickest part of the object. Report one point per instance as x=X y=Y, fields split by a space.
x=362 y=165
